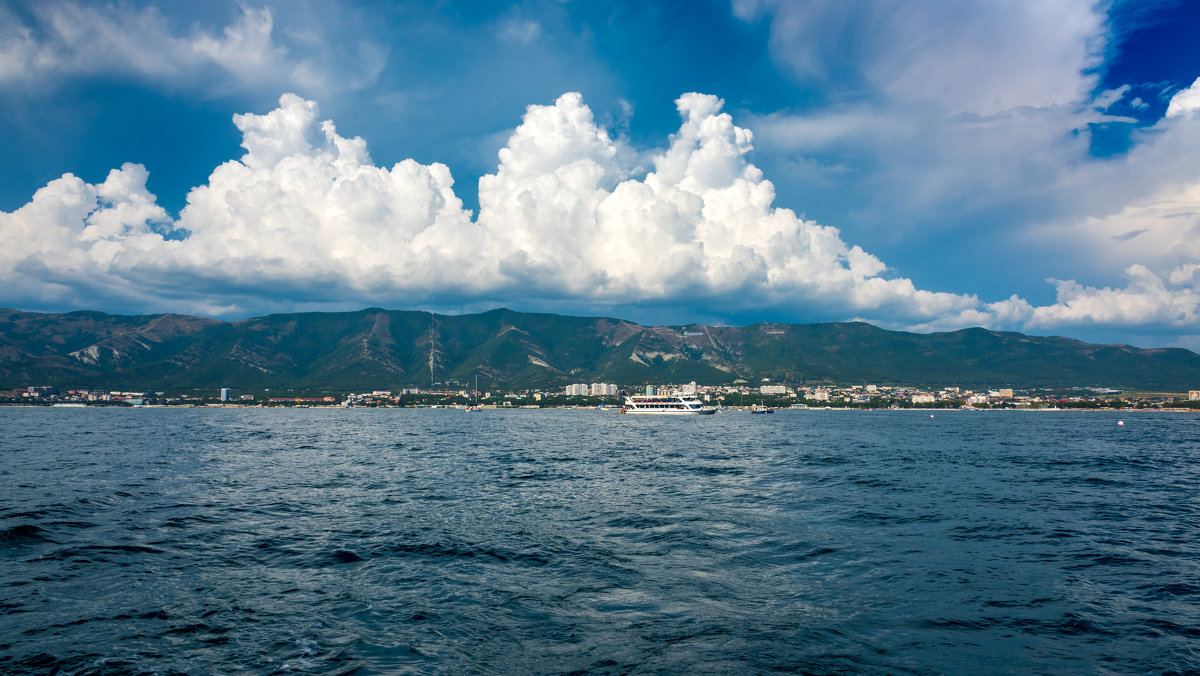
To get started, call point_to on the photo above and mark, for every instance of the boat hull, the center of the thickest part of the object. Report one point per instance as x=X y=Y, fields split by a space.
x=703 y=411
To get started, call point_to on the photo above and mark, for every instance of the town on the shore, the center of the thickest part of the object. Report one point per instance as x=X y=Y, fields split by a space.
x=453 y=394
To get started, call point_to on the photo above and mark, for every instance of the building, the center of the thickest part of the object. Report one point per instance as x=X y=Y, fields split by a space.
x=821 y=395
x=224 y=394
x=1193 y=395
x=772 y=389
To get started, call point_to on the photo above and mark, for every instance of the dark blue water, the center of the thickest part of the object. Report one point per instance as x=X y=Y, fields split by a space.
x=249 y=541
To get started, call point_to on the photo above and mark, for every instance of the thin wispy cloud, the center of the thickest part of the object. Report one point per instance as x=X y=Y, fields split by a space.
x=65 y=39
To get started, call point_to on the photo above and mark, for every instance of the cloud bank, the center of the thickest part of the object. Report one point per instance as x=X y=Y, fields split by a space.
x=571 y=217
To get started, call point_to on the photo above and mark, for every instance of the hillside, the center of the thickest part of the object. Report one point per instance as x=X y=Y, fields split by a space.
x=388 y=349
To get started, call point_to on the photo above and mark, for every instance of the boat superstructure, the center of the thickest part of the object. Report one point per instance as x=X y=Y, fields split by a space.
x=665 y=404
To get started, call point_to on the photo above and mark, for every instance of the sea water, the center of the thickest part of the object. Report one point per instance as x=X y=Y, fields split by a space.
x=261 y=541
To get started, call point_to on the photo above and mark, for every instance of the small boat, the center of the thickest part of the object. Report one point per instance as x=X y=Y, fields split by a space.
x=759 y=408
x=474 y=405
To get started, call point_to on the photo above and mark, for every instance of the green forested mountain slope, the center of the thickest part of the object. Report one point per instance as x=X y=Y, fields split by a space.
x=384 y=349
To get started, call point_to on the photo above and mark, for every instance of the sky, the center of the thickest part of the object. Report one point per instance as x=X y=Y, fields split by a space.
x=1021 y=166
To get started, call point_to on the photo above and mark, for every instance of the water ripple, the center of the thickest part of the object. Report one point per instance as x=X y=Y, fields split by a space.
x=374 y=541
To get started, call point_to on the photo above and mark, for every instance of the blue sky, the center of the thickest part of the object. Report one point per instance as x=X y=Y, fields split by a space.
x=924 y=166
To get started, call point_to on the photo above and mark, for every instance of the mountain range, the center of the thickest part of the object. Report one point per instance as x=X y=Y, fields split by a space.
x=388 y=349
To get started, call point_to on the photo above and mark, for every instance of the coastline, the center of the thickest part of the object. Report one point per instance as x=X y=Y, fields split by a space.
x=615 y=409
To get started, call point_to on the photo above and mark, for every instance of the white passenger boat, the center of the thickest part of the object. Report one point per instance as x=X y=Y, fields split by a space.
x=666 y=404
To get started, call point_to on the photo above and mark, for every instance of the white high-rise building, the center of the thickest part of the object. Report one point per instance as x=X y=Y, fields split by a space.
x=224 y=394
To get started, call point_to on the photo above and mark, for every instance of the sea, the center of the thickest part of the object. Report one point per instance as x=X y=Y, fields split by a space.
x=405 y=541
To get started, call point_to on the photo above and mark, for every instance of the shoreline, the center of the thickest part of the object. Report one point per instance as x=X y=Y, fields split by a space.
x=611 y=409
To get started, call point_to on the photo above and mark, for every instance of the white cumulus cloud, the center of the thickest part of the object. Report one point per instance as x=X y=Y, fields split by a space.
x=1145 y=300
x=700 y=224
x=1186 y=101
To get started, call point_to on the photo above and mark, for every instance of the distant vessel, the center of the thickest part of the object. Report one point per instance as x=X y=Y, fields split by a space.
x=474 y=405
x=666 y=404
x=759 y=408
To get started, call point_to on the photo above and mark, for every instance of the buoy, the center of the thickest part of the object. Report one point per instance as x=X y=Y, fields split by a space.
x=1120 y=423
x=930 y=415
